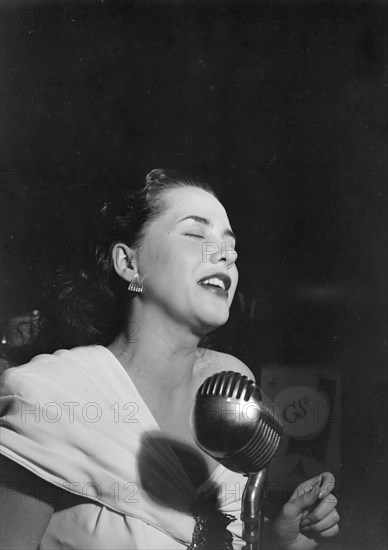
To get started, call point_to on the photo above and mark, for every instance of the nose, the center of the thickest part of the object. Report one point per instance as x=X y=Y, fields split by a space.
x=219 y=252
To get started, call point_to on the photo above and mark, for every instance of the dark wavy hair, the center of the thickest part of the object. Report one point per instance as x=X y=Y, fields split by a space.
x=86 y=304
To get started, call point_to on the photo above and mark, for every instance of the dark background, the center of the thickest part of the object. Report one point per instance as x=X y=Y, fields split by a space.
x=282 y=107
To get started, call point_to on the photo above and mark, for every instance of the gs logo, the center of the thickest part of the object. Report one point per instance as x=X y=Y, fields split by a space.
x=305 y=412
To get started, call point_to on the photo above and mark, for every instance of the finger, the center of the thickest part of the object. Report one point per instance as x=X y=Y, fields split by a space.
x=326 y=481
x=330 y=532
x=327 y=484
x=302 y=500
x=306 y=487
x=329 y=521
x=320 y=510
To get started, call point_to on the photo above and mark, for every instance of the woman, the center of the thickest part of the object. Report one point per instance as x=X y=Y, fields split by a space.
x=96 y=440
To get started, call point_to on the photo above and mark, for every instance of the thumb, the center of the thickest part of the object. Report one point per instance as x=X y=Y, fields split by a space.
x=302 y=499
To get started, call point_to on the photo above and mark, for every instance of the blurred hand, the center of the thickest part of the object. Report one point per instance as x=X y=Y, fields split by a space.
x=309 y=514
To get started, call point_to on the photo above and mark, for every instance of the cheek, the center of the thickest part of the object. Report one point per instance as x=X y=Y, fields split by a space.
x=165 y=266
x=234 y=277
x=152 y=263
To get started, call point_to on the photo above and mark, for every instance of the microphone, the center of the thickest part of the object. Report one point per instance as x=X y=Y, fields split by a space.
x=236 y=424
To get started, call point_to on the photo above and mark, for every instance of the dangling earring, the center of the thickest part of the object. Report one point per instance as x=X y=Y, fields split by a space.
x=135 y=285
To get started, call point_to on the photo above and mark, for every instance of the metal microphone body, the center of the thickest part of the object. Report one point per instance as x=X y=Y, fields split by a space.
x=236 y=424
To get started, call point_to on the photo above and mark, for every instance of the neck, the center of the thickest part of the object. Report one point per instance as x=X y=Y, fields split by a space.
x=155 y=350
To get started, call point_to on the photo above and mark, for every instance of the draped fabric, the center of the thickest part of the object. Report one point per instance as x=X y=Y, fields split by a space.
x=76 y=419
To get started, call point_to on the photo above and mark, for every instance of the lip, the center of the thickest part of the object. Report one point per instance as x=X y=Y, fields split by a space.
x=225 y=278
x=216 y=290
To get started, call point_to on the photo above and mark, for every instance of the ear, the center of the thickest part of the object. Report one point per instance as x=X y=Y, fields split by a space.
x=124 y=261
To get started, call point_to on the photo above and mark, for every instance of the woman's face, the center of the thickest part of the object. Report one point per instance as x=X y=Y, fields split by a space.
x=187 y=260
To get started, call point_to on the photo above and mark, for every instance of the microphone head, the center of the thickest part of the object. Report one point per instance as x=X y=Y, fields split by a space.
x=235 y=423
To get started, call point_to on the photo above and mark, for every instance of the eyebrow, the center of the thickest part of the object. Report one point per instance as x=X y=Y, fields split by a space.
x=205 y=221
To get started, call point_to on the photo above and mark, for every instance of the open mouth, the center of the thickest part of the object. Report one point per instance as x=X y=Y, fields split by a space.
x=218 y=282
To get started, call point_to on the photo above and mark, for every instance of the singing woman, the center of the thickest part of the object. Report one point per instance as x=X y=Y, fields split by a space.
x=97 y=451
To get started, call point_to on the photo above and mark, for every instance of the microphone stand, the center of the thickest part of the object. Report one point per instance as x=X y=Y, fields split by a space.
x=251 y=514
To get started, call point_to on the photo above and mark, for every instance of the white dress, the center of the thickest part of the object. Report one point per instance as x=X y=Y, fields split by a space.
x=76 y=419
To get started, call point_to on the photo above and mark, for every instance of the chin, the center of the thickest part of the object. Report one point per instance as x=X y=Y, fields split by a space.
x=213 y=322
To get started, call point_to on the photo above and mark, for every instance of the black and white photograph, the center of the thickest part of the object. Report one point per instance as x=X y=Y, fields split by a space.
x=193 y=275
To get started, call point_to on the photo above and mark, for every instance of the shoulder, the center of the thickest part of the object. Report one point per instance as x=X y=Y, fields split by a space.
x=53 y=372
x=233 y=363
x=210 y=362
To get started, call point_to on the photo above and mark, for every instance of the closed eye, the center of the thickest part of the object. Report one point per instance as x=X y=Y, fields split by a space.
x=194 y=235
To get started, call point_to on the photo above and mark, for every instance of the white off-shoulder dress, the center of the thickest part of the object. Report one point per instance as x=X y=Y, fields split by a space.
x=76 y=419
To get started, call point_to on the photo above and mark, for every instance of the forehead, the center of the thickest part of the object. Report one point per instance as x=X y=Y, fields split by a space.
x=185 y=201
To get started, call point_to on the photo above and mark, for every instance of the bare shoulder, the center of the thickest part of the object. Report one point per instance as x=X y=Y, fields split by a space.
x=210 y=362
x=233 y=363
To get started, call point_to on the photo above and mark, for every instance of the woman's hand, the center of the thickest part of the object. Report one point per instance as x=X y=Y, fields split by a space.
x=309 y=515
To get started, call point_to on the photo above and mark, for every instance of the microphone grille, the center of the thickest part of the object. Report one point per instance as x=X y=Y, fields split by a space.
x=235 y=423
x=227 y=384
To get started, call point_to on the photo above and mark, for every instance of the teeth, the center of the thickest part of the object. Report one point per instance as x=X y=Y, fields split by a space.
x=214 y=281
